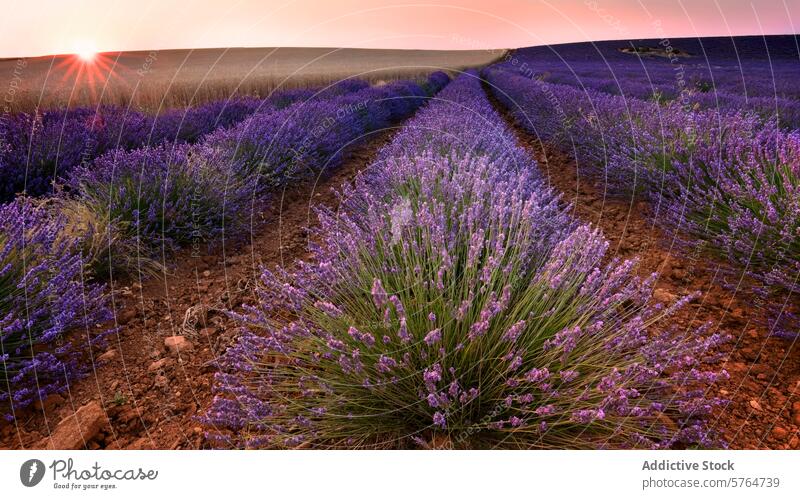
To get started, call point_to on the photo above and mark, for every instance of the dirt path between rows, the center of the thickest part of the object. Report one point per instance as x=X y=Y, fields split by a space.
x=764 y=384
x=144 y=395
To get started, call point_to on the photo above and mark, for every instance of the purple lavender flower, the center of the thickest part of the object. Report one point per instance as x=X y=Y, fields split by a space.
x=433 y=337
x=44 y=295
x=439 y=420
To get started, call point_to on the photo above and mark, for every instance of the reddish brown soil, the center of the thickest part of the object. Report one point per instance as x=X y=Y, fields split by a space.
x=151 y=398
x=764 y=384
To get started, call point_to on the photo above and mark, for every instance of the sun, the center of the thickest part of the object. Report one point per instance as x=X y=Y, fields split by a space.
x=89 y=67
x=87 y=56
x=86 y=51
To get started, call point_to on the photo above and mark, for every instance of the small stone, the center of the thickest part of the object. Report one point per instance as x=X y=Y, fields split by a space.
x=755 y=405
x=75 y=431
x=159 y=365
x=111 y=354
x=796 y=419
x=796 y=406
x=177 y=345
x=779 y=433
x=206 y=273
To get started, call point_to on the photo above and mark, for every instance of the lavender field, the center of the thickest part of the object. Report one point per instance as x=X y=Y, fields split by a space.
x=710 y=142
x=441 y=287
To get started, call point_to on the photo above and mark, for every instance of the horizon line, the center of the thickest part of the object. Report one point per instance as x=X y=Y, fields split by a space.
x=491 y=49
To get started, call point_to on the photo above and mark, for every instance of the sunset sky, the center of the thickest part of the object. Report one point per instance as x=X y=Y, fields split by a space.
x=41 y=27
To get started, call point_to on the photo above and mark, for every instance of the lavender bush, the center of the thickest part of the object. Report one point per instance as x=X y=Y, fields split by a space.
x=49 y=314
x=164 y=197
x=453 y=302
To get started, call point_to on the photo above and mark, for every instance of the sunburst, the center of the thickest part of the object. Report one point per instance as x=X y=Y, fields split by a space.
x=87 y=67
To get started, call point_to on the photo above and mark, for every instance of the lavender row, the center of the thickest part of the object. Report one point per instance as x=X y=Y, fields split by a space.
x=49 y=314
x=181 y=195
x=728 y=180
x=38 y=149
x=452 y=302
x=770 y=100
x=277 y=146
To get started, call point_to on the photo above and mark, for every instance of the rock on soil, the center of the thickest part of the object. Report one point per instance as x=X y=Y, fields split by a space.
x=779 y=433
x=177 y=345
x=110 y=355
x=75 y=431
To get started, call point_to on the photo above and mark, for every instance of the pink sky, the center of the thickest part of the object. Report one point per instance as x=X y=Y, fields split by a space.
x=39 y=27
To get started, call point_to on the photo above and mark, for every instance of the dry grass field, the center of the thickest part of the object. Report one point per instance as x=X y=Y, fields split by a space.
x=173 y=78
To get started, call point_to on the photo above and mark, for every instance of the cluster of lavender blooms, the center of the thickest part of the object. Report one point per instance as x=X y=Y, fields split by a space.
x=161 y=198
x=175 y=195
x=44 y=296
x=728 y=180
x=39 y=149
x=452 y=301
